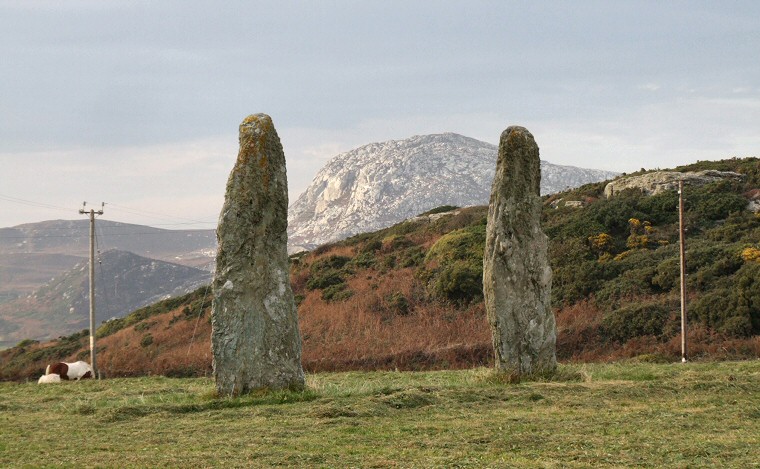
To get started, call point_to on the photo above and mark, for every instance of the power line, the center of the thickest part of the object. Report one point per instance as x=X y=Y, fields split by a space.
x=32 y=203
x=119 y=208
x=168 y=232
x=118 y=225
x=150 y=214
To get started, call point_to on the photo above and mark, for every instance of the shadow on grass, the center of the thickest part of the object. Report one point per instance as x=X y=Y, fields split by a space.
x=560 y=375
x=260 y=398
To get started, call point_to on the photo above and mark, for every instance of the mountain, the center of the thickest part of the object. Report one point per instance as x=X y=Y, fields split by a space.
x=31 y=254
x=124 y=281
x=71 y=237
x=380 y=184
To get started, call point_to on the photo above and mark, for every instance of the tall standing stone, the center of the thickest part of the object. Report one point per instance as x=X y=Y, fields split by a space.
x=255 y=339
x=516 y=272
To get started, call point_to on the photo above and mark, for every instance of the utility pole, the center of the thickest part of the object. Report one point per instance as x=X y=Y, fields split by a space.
x=683 y=270
x=92 y=214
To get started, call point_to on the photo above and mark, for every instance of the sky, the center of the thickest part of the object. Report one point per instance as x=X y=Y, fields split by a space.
x=137 y=103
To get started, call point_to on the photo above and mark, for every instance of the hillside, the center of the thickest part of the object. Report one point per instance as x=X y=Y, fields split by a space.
x=123 y=281
x=410 y=296
x=71 y=237
x=377 y=185
x=31 y=254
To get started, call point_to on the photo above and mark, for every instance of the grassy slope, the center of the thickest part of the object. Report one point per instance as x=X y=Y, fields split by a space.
x=695 y=415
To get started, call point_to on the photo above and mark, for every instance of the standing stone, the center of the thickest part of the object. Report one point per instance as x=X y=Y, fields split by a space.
x=255 y=339
x=516 y=273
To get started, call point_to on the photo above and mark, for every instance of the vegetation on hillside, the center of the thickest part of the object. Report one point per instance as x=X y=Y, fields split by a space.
x=410 y=296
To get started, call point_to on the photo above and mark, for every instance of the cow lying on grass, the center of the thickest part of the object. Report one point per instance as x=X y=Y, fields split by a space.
x=66 y=371
x=51 y=378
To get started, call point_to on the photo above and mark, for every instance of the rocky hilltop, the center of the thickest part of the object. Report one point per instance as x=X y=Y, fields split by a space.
x=657 y=182
x=380 y=184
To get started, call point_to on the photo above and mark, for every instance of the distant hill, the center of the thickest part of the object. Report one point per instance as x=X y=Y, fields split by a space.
x=410 y=296
x=377 y=185
x=31 y=254
x=71 y=237
x=124 y=282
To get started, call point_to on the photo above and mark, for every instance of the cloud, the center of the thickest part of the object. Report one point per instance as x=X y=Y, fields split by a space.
x=649 y=87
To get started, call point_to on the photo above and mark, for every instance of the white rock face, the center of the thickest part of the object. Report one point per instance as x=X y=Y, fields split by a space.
x=377 y=185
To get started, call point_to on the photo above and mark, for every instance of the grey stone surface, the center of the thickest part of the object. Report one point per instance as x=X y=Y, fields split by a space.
x=660 y=181
x=255 y=339
x=516 y=273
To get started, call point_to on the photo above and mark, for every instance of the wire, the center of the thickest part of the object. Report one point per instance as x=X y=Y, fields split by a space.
x=119 y=208
x=32 y=203
x=150 y=214
x=200 y=313
x=168 y=232
x=100 y=266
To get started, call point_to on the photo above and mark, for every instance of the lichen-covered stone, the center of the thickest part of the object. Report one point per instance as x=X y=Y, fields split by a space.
x=255 y=339
x=516 y=272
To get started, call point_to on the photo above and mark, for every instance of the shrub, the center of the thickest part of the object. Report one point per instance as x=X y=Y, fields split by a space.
x=327 y=272
x=455 y=266
x=441 y=209
x=329 y=263
x=601 y=243
x=751 y=254
x=144 y=326
x=733 y=308
x=325 y=279
x=412 y=257
x=395 y=242
x=27 y=342
x=364 y=260
x=337 y=292
x=146 y=340
x=668 y=274
x=460 y=282
x=464 y=244
x=398 y=303
x=714 y=201
x=372 y=246
x=389 y=262
x=639 y=319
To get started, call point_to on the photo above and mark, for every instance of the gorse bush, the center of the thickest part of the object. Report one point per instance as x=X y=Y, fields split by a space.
x=454 y=266
x=647 y=318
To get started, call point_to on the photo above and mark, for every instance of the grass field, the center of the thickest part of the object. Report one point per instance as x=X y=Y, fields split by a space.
x=617 y=415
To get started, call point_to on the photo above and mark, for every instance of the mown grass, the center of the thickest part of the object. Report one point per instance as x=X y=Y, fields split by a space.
x=618 y=415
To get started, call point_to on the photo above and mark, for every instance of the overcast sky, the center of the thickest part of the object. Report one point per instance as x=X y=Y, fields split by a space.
x=137 y=103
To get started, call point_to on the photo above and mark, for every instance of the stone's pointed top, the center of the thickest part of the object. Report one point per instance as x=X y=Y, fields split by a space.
x=259 y=119
x=257 y=125
x=518 y=130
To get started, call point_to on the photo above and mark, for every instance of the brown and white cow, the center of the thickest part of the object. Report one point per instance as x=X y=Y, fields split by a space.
x=77 y=370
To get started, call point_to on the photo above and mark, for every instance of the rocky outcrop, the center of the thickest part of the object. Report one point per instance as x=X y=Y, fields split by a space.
x=660 y=181
x=255 y=339
x=753 y=197
x=377 y=185
x=516 y=273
